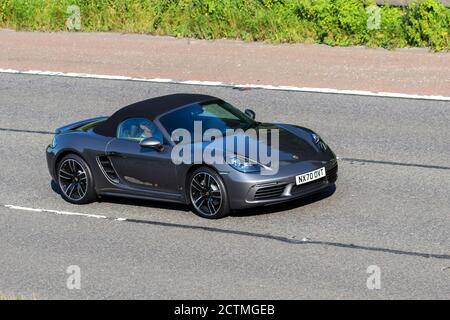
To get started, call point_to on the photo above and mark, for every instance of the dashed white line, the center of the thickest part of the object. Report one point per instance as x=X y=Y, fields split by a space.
x=67 y=213
x=230 y=85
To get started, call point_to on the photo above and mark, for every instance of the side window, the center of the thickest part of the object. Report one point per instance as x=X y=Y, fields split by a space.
x=138 y=129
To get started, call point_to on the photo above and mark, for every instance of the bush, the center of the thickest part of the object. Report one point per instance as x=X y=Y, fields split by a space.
x=427 y=24
x=341 y=22
x=391 y=33
x=333 y=22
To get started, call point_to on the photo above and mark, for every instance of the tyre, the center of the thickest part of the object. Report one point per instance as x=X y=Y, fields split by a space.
x=75 y=180
x=208 y=195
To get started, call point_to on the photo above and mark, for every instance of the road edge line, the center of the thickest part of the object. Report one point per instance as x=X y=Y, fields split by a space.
x=65 y=213
x=229 y=85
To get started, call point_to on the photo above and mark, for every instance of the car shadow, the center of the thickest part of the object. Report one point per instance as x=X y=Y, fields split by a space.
x=269 y=209
x=133 y=202
x=145 y=203
x=55 y=187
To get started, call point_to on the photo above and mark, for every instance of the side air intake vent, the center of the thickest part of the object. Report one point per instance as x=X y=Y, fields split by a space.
x=107 y=168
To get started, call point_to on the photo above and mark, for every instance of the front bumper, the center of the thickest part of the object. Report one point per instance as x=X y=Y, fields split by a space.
x=51 y=156
x=246 y=191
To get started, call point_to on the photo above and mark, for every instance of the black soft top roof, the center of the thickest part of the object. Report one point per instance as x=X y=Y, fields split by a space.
x=150 y=109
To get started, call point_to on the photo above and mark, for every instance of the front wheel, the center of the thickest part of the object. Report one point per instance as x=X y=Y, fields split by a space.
x=208 y=194
x=75 y=180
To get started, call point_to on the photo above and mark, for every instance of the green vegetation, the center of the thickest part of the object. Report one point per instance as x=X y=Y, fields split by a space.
x=333 y=22
x=7 y=297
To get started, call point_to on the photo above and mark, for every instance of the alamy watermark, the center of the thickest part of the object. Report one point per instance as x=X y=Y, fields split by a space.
x=73 y=22
x=374 y=280
x=73 y=281
x=236 y=147
x=374 y=17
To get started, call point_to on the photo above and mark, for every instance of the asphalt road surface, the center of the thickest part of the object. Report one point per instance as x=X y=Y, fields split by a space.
x=390 y=209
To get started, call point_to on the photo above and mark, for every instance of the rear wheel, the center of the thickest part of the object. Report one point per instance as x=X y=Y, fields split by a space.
x=208 y=195
x=75 y=180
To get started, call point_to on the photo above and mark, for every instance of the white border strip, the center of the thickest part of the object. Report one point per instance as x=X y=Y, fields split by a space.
x=66 y=213
x=231 y=85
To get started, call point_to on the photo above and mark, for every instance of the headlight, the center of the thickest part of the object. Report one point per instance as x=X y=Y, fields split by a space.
x=243 y=165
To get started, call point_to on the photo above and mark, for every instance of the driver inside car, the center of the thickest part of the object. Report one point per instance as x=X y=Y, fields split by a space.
x=146 y=131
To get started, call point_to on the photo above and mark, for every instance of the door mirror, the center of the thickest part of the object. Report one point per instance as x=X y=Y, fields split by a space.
x=250 y=113
x=152 y=143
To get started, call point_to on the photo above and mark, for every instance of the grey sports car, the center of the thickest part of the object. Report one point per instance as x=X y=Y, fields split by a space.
x=131 y=154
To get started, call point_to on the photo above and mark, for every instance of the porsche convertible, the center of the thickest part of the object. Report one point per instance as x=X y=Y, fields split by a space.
x=130 y=154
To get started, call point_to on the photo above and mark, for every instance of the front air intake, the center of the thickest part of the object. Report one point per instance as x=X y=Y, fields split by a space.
x=271 y=192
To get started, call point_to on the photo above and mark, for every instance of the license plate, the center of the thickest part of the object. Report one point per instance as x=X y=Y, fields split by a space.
x=310 y=176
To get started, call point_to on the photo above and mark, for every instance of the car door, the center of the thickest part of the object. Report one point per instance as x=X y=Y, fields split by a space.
x=143 y=169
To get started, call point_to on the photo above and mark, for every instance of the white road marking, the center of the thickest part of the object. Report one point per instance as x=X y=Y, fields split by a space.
x=22 y=208
x=230 y=85
x=67 y=213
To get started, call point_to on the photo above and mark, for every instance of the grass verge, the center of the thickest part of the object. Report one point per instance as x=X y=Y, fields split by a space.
x=332 y=22
x=10 y=297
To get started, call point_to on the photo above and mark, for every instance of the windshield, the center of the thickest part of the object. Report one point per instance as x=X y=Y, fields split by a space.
x=213 y=115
